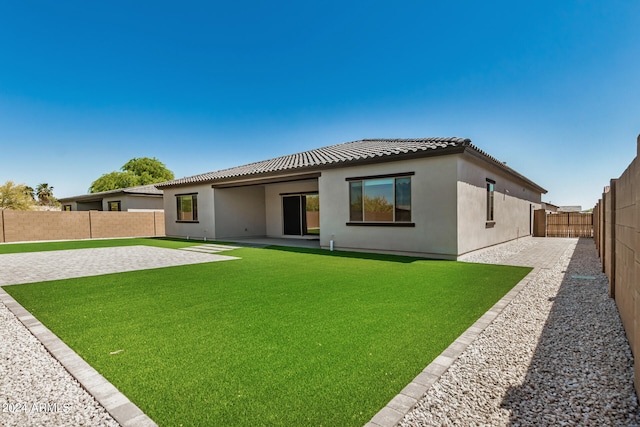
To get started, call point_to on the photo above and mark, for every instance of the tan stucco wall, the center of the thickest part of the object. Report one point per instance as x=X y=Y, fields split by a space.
x=197 y=230
x=239 y=212
x=448 y=208
x=85 y=207
x=273 y=202
x=514 y=203
x=433 y=199
x=132 y=202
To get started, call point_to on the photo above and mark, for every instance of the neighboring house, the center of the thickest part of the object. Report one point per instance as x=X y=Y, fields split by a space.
x=431 y=197
x=132 y=199
x=569 y=208
x=549 y=207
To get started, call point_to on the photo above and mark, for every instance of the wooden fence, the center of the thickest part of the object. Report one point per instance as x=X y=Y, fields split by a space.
x=617 y=238
x=563 y=224
x=570 y=224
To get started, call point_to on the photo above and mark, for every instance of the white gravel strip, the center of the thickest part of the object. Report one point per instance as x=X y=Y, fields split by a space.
x=497 y=254
x=557 y=355
x=35 y=390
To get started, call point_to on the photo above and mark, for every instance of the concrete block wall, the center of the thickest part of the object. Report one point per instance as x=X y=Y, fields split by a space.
x=618 y=243
x=122 y=224
x=158 y=220
x=22 y=226
x=26 y=226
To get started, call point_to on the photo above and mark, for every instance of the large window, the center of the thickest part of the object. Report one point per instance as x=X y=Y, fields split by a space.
x=187 y=207
x=380 y=199
x=490 y=188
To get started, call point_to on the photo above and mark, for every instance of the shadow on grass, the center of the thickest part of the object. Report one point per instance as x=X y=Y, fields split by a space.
x=305 y=250
x=348 y=254
x=575 y=372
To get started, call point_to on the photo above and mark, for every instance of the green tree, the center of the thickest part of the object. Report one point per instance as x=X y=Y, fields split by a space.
x=377 y=204
x=149 y=171
x=17 y=197
x=45 y=194
x=113 y=181
x=137 y=171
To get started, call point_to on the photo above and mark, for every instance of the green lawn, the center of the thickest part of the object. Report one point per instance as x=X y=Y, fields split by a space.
x=11 y=248
x=280 y=337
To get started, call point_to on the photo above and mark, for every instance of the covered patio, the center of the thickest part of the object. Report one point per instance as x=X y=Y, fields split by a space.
x=261 y=242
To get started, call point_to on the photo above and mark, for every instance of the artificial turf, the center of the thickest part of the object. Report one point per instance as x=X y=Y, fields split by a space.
x=11 y=248
x=279 y=337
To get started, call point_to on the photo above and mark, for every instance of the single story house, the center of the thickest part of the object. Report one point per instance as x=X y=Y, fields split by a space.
x=132 y=199
x=430 y=197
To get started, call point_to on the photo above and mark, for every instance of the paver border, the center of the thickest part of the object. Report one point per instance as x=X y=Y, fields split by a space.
x=125 y=412
x=408 y=398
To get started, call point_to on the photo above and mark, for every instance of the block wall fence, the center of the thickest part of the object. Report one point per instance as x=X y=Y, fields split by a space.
x=28 y=226
x=617 y=238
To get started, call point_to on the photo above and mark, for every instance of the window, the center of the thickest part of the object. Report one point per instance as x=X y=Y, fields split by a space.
x=490 y=188
x=114 y=206
x=66 y=208
x=187 y=207
x=382 y=199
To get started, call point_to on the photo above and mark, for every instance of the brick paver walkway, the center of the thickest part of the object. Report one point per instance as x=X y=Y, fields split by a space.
x=544 y=254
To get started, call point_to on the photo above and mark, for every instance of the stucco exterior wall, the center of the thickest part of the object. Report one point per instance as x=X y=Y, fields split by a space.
x=239 y=212
x=433 y=210
x=273 y=203
x=204 y=227
x=514 y=203
x=85 y=206
x=130 y=202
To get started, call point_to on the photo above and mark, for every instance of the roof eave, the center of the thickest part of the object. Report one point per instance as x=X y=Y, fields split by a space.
x=320 y=168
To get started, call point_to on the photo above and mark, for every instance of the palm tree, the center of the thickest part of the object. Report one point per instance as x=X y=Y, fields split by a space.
x=44 y=193
x=29 y=191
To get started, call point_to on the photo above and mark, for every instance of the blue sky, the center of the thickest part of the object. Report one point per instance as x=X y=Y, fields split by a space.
x=550 y=87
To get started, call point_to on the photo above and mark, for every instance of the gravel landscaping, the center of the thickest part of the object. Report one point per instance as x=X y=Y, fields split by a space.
x=557 y=355
x=35 y=390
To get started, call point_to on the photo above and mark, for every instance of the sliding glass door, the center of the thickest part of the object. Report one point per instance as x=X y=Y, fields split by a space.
x=301 y=214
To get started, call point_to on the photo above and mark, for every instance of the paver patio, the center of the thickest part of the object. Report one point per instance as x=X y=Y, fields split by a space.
x=55 y=265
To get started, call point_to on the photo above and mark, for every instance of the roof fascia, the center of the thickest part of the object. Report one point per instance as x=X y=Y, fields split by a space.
x=262 y=181
x=472 y=151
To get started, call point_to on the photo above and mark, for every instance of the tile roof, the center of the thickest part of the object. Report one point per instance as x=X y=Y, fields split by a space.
x=345 y=154
x=150 y=190
x=332 y=156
